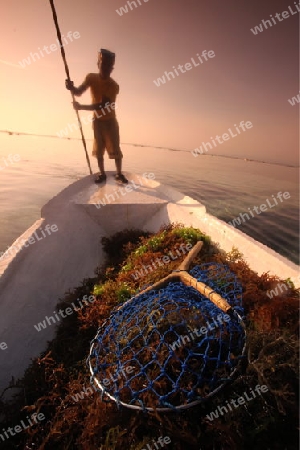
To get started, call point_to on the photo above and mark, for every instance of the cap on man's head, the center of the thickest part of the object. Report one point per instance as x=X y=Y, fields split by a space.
x=108 y=54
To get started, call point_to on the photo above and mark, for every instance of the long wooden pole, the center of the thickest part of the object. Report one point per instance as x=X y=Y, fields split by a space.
x=62 y=50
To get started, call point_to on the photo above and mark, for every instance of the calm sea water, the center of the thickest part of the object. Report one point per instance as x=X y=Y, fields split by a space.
x=227 y=187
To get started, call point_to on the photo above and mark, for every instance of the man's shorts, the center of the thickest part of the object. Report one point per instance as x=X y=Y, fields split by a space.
x=106 y=136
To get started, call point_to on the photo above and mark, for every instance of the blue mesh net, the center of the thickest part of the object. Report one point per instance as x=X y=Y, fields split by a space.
x=171 y=348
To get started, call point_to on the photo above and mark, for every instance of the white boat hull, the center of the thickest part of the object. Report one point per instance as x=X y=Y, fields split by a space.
x=35 y=278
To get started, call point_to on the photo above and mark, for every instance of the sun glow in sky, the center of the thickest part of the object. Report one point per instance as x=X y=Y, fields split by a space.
x=250 y=78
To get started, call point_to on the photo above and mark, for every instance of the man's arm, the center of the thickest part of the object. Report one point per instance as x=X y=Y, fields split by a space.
x=76 y=90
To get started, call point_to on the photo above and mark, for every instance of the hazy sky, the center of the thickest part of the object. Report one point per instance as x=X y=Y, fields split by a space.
x=250 y=78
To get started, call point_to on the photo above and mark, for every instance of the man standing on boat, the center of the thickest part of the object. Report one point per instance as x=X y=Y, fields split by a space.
x=104 y=91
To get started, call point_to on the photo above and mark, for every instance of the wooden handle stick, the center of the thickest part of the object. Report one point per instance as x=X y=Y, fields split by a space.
x=205 y=290
x=185 y=265
x=181 y=275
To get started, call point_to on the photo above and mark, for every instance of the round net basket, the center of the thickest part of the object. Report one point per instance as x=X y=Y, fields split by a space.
x=172 y=348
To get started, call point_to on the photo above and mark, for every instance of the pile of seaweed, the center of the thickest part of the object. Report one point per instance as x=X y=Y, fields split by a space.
x=57 y=384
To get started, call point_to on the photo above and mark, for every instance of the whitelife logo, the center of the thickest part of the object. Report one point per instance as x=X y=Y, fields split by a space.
x=34 y=418
x=283 y=287
x=106 y=382
x=9 y=160
x=225 y=136
x=124 y=9
x=187 y=66
x=49 y=320
x=38 y=235
x=53 y=47
x=236 y=403
x=86 y=120
x=3 y=346
x=110 y=198
x=294 y=100
x=268 y=23
x=160 y=443
x=263 y=207
x=200 y=331
x=166 y=259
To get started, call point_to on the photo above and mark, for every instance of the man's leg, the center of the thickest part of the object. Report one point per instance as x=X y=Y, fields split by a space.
x=114 y=151
x=119 y=176
x=100 y=160
x=118 y=162
x=98 y=150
